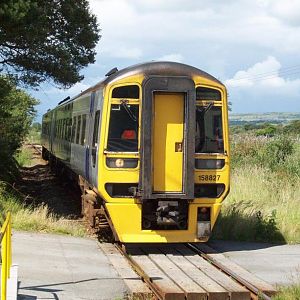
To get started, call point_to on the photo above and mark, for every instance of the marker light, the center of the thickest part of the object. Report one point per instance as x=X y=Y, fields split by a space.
x=209 y=163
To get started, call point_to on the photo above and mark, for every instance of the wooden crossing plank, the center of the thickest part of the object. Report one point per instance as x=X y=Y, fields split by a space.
x=236 y=291
x=235 y=268
x=213 y=289
x=192 y=290
x=134 y=282
x=160 y=281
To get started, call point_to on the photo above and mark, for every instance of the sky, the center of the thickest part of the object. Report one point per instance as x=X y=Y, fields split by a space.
x=252 y=46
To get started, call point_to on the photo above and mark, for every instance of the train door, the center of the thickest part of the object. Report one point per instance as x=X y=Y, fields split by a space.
x=91 y=155
x=168 y=149
x=168 y=138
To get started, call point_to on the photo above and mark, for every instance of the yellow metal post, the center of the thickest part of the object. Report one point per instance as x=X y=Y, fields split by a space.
x=5 y=254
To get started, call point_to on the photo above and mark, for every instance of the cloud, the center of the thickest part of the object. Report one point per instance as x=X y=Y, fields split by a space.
x=177 y=57
x=262 y=88
x=123 y=52
x=265 y=72
x=286 y=11
x=244 y=38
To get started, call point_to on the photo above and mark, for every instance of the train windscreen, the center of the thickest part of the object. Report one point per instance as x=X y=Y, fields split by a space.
x=209 y=130
x=123 y=128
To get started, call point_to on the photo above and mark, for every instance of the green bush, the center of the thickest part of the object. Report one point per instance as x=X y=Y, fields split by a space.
x=274 y=153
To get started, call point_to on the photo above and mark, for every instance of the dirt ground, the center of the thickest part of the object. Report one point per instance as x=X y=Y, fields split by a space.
x=42 y=186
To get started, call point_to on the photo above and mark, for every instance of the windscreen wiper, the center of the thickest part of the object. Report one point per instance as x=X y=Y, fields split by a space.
x=129 y=112
x=204 y=109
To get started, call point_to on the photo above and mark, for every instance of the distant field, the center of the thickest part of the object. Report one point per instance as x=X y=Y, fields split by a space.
x=272 y=117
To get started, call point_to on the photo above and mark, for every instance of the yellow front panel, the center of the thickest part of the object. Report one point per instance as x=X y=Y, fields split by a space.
x=168 y=126
x=127 y=223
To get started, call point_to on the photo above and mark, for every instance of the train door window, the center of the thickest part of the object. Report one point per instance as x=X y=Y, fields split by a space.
x=83 y=127
x=78 y=129
x=74 y=129
x=209 y=130
x=123 y=128
x=95 y=137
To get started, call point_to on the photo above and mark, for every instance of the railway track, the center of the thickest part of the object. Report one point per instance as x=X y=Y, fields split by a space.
x=36 y=147
x=193 y=271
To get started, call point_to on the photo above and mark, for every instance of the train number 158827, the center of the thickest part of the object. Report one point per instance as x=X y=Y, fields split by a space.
x=209 y=177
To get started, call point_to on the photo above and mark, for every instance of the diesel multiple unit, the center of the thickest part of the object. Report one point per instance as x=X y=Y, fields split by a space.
x=149 y=147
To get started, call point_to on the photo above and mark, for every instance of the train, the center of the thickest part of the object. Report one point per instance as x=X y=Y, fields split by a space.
x=149 y=147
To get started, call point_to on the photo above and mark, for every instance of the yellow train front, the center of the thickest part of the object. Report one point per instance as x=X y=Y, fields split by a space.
x=155 y=151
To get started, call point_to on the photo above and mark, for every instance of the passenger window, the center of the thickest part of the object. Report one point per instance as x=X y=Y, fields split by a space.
x=127 y=91
x=69 y=129
x=209 y=130
x=82 y=140
x=123 y=128
x=204 y=93
x=78 y=129
x=95 y=137
x=74 y=129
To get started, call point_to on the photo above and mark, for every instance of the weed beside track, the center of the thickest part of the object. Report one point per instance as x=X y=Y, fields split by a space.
x=39 y=201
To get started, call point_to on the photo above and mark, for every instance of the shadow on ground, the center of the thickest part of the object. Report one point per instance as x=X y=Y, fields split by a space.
x=42 y=186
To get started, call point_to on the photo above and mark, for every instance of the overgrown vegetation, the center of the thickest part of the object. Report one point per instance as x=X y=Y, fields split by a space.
x=16 y=115
x=288 y=293
x=34 y=218
x=34 y=134
x=263 y=204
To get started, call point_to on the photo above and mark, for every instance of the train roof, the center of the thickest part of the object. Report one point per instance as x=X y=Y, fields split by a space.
x=162 y=69
x=159 y=68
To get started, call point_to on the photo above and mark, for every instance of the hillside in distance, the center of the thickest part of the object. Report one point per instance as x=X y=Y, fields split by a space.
x=272 y=117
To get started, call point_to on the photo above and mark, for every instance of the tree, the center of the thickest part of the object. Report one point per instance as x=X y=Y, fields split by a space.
x=16 y=115
x=43 y=40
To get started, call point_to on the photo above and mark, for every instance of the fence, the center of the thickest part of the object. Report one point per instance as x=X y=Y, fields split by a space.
x=5 y=240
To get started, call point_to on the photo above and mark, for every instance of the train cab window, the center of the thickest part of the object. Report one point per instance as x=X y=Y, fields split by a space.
x=82 y=139
x=95 y=137
x=127 y=91
x=209 y=130
x=204 y=93
x=78 y=129
x=123 y=128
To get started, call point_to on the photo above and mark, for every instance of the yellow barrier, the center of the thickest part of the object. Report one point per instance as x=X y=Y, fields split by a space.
x=5 y=240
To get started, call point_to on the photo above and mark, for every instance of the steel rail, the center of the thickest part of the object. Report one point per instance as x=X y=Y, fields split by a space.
x=36 y=148
x=157 y=292
x=258 y=294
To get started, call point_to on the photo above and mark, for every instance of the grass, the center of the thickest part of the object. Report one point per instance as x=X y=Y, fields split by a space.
x=34 y=136
x=23 y=157
x=35 y=219
x=288 y=293
x=264 y=201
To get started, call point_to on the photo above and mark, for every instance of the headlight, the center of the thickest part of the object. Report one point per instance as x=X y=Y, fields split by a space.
x=209 y=163
x=122 y=163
